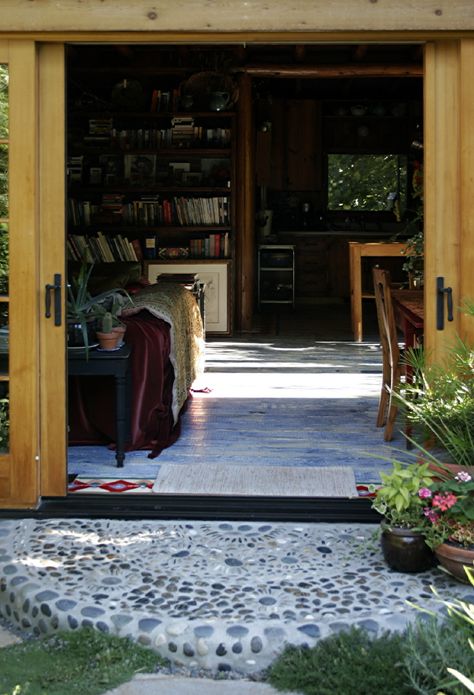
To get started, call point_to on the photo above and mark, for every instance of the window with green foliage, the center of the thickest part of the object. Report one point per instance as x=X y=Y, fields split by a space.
x=367 y=182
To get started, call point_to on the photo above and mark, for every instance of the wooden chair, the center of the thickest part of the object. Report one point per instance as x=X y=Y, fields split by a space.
x=392 y=368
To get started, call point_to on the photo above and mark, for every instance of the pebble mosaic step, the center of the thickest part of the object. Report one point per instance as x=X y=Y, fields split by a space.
x=214 y=595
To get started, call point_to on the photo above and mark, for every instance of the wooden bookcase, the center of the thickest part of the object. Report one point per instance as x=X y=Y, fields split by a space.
x=155 y=183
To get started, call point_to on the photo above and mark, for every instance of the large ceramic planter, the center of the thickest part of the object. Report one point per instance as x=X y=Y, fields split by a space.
x=451 y=468
x=454 y=558
x=405 y=550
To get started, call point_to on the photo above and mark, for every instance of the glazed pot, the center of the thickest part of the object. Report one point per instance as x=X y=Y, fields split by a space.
x=405 y=550
x=454 y=558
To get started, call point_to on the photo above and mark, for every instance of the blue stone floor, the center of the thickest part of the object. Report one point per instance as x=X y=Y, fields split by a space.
x=273 y=401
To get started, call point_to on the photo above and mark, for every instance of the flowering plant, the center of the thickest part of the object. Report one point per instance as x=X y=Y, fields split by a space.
x=398 y=499
x=448 y=505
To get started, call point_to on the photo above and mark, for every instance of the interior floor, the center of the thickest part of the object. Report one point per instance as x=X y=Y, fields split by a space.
x=297 y=393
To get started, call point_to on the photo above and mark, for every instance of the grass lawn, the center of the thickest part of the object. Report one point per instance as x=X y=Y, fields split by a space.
x=85 y=662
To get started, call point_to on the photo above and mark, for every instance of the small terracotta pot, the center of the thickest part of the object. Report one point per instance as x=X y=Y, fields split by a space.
x=107 y=341
x=454 y=558
x=119 y=332
x=405 y=550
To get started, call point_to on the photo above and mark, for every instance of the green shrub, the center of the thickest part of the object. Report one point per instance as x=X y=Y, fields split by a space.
x=347 y=663
x=85 y=662
x=432 y=647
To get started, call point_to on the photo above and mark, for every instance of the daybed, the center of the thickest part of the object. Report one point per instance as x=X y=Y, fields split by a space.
x=164 y=330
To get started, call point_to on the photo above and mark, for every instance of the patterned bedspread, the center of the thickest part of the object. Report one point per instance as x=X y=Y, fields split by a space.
x=178 y=307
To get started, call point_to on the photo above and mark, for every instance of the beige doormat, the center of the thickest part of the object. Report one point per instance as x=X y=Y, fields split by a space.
x=273 y=481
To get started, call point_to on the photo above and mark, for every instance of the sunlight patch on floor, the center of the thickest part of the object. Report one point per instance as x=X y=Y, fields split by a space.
x=289 y=385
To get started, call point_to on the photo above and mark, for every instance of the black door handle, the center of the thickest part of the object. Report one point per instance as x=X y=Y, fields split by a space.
x=441 y=292
x=56 y=288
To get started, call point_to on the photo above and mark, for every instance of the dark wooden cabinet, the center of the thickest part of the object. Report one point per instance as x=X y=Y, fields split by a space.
x=289 y=151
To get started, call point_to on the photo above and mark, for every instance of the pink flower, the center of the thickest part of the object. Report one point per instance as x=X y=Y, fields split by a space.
x=431 y=515
x=462 y=477
x=424 y=493
x=444 y=501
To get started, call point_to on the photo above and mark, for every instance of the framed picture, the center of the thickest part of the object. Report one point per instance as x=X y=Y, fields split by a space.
x=215 y=277
x=140 y=168
x=112 y=167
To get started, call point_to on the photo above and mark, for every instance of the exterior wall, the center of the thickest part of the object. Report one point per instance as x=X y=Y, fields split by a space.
x=236 y=15
x=448 y=24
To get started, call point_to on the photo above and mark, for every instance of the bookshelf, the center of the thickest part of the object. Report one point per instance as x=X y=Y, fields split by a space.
x=152 y=184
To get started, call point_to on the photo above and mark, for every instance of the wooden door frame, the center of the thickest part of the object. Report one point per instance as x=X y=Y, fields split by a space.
x=448 y=63
x=52 y=216
x=19 y=468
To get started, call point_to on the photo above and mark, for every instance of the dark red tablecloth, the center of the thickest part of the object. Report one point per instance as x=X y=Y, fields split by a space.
x=92 y=399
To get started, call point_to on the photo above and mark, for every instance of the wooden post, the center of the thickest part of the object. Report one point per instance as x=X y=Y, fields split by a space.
x=466 y=259
x=245 y=201
x=442 y=218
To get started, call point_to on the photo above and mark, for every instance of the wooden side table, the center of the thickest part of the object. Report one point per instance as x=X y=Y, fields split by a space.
x=114 y=363
x=358 y=250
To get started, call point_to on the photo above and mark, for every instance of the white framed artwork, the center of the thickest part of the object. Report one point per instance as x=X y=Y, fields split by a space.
x=215 y=277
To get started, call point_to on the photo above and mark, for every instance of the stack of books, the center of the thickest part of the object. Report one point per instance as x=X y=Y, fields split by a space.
x=182 y=131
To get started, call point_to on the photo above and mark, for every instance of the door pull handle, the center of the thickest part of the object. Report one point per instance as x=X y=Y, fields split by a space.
x=56 y=290
x=441 y=293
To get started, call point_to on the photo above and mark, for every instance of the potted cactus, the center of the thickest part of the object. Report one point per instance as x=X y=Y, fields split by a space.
x=110 y=336
x=86 y=312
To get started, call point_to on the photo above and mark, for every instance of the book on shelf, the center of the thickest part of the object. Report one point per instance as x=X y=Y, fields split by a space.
x=100 y=248
x=215 y=245
x=150 y=247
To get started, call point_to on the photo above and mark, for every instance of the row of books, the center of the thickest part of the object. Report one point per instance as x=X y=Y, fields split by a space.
x=154 y=138
x=179 y=135
x=164 y=100
x=179 y=211
x=151 y=211
x=100 y=248
x=212 y=246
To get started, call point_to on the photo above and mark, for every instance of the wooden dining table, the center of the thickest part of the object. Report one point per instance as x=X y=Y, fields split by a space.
x=408 y=307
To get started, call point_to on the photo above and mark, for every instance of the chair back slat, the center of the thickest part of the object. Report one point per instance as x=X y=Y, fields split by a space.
x=390 y=349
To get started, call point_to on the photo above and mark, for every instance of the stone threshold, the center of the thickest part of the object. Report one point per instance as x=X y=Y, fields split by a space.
x=215 y=595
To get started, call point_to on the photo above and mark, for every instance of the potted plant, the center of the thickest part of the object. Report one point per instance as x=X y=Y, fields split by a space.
x=448 y=505
x=85 y=310
x=79 y=309
x=397 y=499
x=110 y=336
x=414 y=253
x=439 y=402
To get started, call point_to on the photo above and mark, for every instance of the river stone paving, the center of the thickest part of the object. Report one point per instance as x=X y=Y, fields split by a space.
x=215 y=595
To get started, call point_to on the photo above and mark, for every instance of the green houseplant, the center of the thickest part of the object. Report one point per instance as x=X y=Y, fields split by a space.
x=439 y=402
x=413 y=227
x=110 y=335
x=85 y=310
x=397 y=499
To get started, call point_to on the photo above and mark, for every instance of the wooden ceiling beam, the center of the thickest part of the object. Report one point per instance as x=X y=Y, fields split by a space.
x=333 y=71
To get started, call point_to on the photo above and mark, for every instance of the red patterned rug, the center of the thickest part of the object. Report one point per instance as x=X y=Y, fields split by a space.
x=143 y=487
